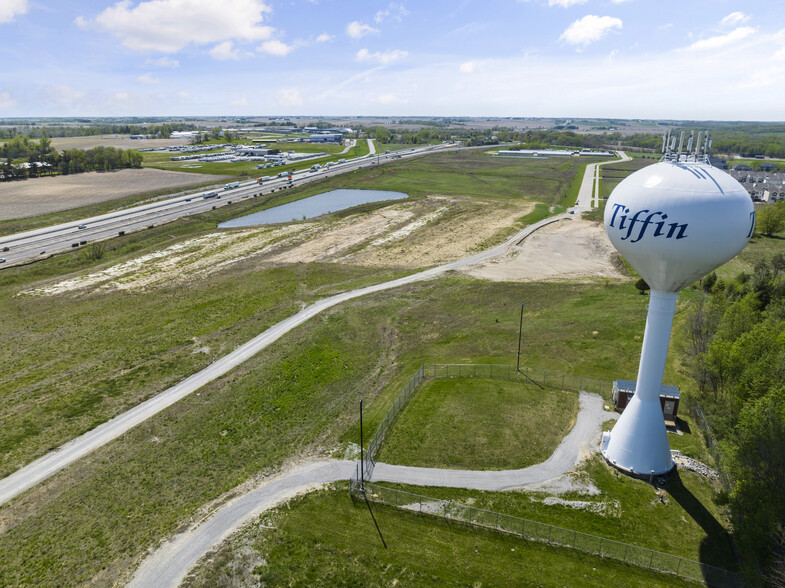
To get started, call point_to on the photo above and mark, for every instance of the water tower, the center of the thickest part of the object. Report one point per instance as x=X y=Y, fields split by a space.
x=674 y=222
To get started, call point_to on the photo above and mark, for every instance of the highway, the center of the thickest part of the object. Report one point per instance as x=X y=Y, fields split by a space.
x=22 y=248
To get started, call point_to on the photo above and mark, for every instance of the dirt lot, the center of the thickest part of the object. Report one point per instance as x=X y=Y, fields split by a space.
x=566 y=249
x=411 y=235
x=38 y=196
x=118 y=141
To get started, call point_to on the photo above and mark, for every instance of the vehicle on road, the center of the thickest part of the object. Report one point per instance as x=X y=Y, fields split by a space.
x=210 y=195
x=2 y=260
x=231 y=185
x=341 y=161
x=263 y=179
x=283 y=174
x=82 y=227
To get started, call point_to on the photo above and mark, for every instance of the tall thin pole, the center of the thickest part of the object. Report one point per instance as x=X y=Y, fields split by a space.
x=520 y=333
x=362 y=464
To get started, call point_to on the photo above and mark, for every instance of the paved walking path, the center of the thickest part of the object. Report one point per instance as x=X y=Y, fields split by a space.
x=589 y=192
x=171 y=562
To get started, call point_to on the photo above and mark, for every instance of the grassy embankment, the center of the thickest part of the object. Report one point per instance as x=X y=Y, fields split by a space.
x=324 y=539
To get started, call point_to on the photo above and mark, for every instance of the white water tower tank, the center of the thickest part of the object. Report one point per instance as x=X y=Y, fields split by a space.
x=674 y=222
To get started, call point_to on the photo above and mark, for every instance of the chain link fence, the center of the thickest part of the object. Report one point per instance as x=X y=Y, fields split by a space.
x=534 y=531
x=472 y=370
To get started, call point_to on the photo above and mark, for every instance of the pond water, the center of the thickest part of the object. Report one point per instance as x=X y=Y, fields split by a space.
x=312 y=206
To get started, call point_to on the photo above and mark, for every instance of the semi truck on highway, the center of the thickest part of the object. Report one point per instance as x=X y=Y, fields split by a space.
x=210 y=195
x=263 y=179
x=231 y=185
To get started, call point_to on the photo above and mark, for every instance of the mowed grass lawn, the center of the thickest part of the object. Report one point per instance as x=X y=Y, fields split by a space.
x=325 y=539
x=462 y=423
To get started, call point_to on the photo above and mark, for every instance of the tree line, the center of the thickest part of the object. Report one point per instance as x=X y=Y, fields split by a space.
x=737 y=334
x=162 y=131
x=23 y=150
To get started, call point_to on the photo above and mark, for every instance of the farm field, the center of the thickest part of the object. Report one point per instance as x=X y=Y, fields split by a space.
x=116 y=141
x=46 y=195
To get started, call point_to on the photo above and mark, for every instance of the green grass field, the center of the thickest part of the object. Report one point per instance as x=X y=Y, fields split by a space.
x=300 y=395
x=326 y=539
x=462 y=423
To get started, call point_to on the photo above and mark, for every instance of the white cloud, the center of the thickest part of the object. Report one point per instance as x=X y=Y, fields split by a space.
x=357 y=30
x=242 y=101
x=391 y=99
x=164 y=62
x=734 y=18
x=288 y=97
x=64 y=94
x=468 y=67
x=590 y=28
x=147 y=79
x=383 y=57
x=275 y=47
x=168 y=26
x=779 y=54
x=394 y=11
x=7 y=101
x=720 y=41
x=11 y=8
x=225 y=51
x=324 y=37
x=566 y=3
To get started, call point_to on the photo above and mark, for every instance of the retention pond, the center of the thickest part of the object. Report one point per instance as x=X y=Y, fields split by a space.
x=312 y=206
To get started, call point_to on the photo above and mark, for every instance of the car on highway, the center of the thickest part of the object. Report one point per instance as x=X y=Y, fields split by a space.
x=82 y=227
x=2 y=260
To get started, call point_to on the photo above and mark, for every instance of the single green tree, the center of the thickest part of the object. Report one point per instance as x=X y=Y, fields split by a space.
x=642 y=286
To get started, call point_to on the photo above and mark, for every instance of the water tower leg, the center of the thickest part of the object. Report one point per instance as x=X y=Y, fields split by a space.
x=638 y=442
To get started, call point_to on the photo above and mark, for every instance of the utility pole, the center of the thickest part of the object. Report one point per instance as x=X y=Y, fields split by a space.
x=520 y=334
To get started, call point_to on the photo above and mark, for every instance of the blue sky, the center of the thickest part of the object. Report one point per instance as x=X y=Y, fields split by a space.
x=693 y=59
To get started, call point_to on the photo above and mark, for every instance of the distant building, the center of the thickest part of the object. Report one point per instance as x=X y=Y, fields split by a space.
x=742 y=167
x=326 y=138
x=624 y=390
x=767 y=167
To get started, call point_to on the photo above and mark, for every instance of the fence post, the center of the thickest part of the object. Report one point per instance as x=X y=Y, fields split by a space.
x=651 y=559
x=497 y=521
x=574 y=537
x=678 y=567
x=625 y=552
x=600 y=546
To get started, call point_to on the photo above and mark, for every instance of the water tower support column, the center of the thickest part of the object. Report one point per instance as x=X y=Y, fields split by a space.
x=638 y=442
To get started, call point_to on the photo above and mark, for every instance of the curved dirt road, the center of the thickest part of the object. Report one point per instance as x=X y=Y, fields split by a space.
x=170 y=563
